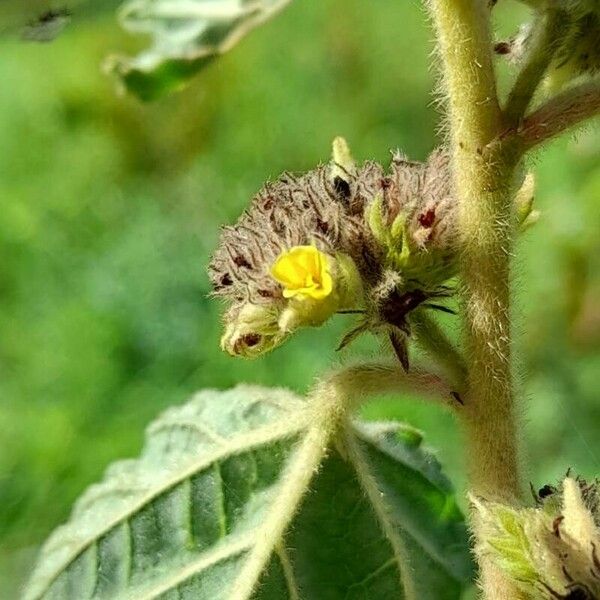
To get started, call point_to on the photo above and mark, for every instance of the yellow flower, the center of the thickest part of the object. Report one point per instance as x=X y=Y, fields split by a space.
x=316 y=286
x=303 y=271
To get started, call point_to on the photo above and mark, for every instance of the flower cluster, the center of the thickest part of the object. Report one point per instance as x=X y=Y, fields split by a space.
x=343 y=237
x=551 y=550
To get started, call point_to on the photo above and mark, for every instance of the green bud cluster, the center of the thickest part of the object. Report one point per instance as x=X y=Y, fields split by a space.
x=549 y=550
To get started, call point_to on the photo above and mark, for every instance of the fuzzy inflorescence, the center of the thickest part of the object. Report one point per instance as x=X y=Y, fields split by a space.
x=367 y=226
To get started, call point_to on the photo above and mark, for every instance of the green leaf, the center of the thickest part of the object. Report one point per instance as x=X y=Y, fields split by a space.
x=186 y=36
x=224 y=504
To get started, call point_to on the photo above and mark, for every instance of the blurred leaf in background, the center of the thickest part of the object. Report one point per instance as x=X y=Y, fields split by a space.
x=186 y=36
x=110 y=209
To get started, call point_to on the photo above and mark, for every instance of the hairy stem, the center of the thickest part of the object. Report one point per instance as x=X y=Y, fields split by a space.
x=561 y=113
x=434 y=341
x=374 y=379
x=547 y=31
x=465 y=48
x=482 y=182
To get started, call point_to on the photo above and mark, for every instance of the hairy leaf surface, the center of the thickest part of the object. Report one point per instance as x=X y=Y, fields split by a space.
x=215 y=509
x=186 y=35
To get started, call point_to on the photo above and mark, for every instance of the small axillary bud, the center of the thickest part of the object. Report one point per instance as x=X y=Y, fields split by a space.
x=343 y=164
x=523 y=203
x=578 y=520
x=578 y=51
x=550 y=548
x=392 y=238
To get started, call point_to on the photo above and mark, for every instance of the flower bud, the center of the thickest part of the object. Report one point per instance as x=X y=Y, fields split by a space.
x=551 y=550
x=251 y=330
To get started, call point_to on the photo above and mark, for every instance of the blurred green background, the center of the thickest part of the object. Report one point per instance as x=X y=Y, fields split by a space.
x=110 y=209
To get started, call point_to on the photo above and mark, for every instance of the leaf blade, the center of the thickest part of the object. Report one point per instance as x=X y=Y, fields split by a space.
x=423 y=499
x=217 y=500
x=127 y=498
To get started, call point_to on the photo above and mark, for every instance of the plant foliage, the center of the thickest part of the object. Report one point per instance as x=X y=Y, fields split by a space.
x=198 y=514
x=186 y=36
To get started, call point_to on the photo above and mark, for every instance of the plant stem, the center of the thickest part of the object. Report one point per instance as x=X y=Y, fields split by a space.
x=482 y=182
x=547 y=31
x=562 y=112
x=434 y=341
x=372 y=379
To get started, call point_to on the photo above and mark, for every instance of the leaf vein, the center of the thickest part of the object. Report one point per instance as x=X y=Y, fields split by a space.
x=207 y=560
x=368 y=483
x=288 y=572
x=239 y=445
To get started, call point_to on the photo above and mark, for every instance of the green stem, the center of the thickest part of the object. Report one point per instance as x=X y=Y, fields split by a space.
x=482 y=182
x=562 y=112
x=434 y=341
x=547 y=31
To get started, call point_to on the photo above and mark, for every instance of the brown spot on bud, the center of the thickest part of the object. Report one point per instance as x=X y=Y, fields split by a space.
x=556 y=525
x=457 y=397
x=322 y=226
x=342 y=188
x=248 y=340
x=426 y=219
x=546 y=491
x=240 y=261
x=268 y=203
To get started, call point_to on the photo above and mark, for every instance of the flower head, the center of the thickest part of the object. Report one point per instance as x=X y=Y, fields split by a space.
x=315 y=244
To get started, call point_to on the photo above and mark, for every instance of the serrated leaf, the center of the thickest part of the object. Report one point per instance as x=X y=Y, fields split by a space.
x=216 y=508
x=186 y=36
